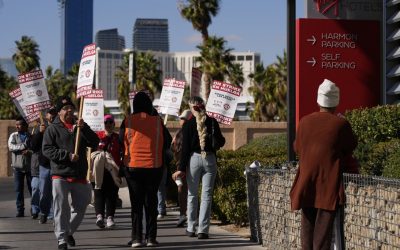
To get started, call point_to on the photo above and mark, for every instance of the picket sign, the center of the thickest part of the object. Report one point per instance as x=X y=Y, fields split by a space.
x=222 y=101
x=85 y=82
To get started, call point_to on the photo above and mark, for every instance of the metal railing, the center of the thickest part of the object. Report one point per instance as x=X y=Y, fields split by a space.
x=372 y=211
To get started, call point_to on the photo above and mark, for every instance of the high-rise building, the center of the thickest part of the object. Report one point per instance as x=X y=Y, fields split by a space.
x=107 y=62
x=109 y=40
x=76 y=30
x=151 y=34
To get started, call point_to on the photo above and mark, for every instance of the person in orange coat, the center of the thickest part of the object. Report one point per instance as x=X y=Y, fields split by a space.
x=145 y=142
x=323 y=139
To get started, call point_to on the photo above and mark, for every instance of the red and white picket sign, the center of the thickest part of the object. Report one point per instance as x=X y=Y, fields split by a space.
x=34 y=91
x=86 y=70
x=171 y=96
x=18 y=100
x=222 y=101
x=93 y=109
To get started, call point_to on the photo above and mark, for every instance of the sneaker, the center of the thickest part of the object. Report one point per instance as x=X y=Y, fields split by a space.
x=202 y=236
x=42 y=219
x=71 y=241
x=35 y=216
x=91 y=204
x=100 y=221
x=110 y=222
x=137 y=244
x=181 y=221
x=160 y=216
x=152 y=243
x=190 y=234
x=63 y=246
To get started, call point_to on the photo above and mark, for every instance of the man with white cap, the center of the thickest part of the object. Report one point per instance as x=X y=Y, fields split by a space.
x=323 y=139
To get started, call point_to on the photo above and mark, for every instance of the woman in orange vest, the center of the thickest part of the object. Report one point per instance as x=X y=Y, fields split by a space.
x=145 y=140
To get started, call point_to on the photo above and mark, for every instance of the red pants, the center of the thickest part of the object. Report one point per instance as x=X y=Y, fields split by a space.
x=316 y=228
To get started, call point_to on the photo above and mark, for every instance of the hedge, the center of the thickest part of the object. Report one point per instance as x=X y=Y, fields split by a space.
x=230 y=197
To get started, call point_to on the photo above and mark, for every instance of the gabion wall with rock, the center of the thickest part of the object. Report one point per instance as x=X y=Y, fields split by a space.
x=372 y=212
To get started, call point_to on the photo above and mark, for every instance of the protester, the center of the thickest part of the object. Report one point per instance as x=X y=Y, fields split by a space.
x=35 y=198
x=322 y=140
x=198 y=161
x=176 y=147
x=18 y=144
x=105 y=190
x=68 y=170
x=161 y=195
x=145 y=140
x=44 y=196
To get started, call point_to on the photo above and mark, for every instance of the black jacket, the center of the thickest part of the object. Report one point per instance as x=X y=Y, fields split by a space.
x=58 y=143
x=36 y=146
x=191 y=142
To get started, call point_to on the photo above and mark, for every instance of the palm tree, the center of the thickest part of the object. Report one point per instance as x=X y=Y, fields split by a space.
x=148 y=75
x=281 y=85
x=26 y=57
x=235 y=74
x=8 y=109
x=215 y=59
x=269 y=88
x=199 y=13
x=122 y=74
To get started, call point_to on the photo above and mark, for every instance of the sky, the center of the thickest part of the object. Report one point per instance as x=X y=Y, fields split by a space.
x=246 y=25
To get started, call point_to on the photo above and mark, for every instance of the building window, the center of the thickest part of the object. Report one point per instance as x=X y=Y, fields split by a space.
x=233 y=58
x=101 y=55
x=249 y=58
x=240 y=58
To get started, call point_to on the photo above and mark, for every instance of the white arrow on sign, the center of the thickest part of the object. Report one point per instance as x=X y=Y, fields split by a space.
x=313 y=61
x=313 y=40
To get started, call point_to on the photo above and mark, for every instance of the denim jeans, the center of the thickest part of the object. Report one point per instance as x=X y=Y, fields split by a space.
x=19 y=177
x=46 y=198
x=162 y=208
x=204 y=169
x=35 y=195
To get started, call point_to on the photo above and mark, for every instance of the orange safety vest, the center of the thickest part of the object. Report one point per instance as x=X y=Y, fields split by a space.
x=143 y=141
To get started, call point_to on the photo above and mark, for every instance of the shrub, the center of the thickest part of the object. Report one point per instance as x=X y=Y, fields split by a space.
x=373 y=127
x=230 y=194
x=391 y=167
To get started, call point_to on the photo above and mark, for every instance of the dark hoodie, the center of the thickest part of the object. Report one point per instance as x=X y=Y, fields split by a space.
x=58 y=143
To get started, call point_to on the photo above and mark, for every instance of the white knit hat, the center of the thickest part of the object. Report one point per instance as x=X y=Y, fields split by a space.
x=328 y=94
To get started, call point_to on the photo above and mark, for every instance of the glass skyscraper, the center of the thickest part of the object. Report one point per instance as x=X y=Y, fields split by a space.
x=151 y=34
x=109 y=40
x=76 y=30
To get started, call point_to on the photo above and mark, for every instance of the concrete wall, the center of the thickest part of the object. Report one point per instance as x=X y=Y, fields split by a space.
x=236 y=135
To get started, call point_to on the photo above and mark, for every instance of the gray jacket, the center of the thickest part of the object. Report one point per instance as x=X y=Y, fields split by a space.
x=58 y=143
x=16 y=145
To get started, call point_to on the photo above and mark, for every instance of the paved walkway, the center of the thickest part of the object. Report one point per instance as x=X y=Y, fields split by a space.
x=25 y=233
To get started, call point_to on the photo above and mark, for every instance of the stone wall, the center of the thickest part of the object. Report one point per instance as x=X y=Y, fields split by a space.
x=372 y=212
x=237 y=135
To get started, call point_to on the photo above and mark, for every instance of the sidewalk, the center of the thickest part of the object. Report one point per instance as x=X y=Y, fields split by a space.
x=25 y=233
